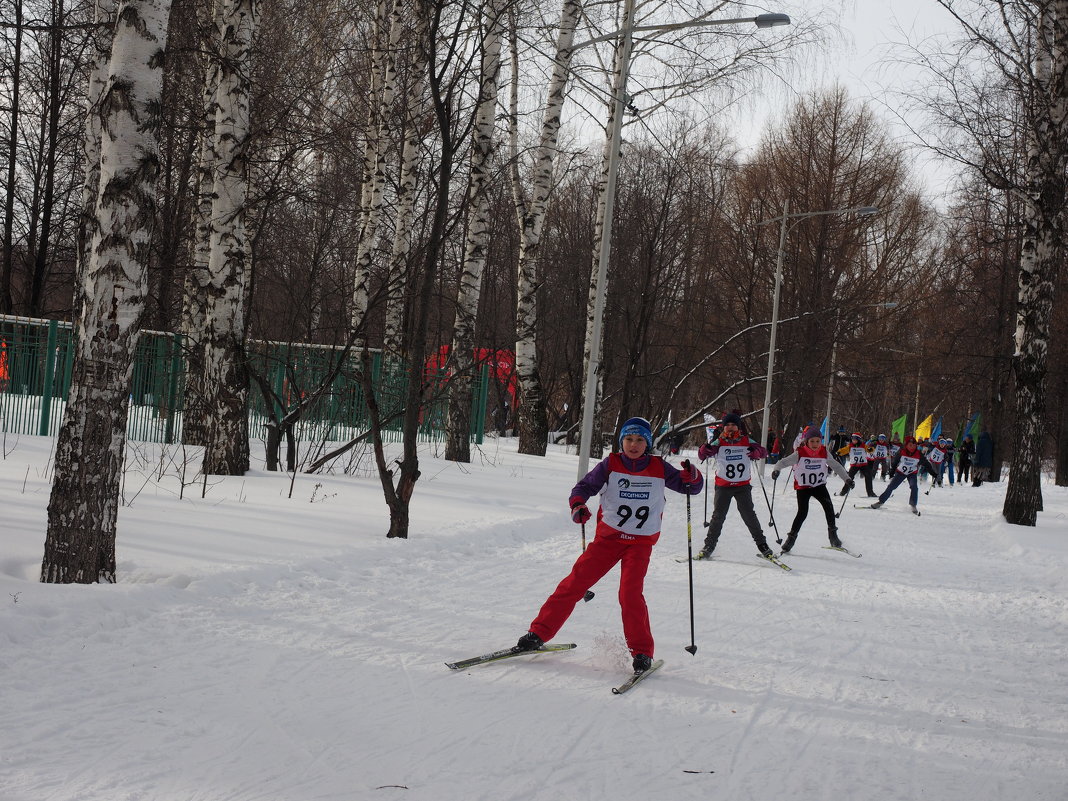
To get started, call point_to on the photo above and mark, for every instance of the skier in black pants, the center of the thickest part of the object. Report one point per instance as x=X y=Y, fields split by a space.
x=812 y=466
x=859 y=458
x=733 y=452
x=964 y=463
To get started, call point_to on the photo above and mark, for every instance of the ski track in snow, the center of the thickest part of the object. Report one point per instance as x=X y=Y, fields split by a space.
x=236 y=661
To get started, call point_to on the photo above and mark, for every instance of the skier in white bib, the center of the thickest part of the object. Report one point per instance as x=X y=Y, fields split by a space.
x=812 y=467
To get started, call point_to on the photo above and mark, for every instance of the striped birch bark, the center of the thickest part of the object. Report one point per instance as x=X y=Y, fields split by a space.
x=593 y=349
x=374 y=188
x=225 y=382
x=1041 y=254
x=196 y=278
x=397 y=281
x=83 y=507
x=531 y=416
x=458 y=427
x=104 y=19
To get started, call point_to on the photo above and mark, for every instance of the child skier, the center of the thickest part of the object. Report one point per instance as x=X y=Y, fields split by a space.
x=812 y=467
x=856 y=452
x=936 y=455
x=632 y=485
x=733 y=452
x=906 y=465
x=880 y=457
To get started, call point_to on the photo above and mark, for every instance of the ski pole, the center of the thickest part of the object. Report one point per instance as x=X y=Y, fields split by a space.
x=706 y=504
x=760 y=478
x=844 y=499
x=589 y=593
x=771 y=507
x=692 y=647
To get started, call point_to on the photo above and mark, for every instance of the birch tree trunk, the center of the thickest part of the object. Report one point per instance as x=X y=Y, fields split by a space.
x=104 y=18
x=602 y=228
x=225 y=383
x=194 y=425
x=375 y=158
x=458 y=428
x=531 y=417
x=397 y=271
x=83 y=508
x=7 y=303
x=1040 y=257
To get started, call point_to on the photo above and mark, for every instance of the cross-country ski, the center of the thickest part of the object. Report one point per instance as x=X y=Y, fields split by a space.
x=637 y=677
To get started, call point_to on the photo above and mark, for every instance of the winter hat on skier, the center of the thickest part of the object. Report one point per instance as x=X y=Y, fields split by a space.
x=856 y=435
x=882 y=436
x=909 y=438
x=811 y=432
x=639 y=426
x=732 y=418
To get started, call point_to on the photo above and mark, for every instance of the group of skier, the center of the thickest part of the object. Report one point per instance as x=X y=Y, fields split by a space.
x=632 y=485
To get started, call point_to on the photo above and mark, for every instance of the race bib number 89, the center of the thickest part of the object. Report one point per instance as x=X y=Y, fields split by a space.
x=732 y=464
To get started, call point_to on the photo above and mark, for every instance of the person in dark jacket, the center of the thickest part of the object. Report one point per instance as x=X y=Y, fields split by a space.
x=964 y=461
x=984 y=459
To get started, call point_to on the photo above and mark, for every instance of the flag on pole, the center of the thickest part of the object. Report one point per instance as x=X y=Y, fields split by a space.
x=897 y=428
x=823 y=428
x=973 y=425
x=923 y=430
x=937 y=431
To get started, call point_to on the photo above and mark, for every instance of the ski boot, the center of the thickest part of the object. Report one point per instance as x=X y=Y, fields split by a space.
x=529 y=642
x=642 y=663
x=832 y=535
x=791 y=538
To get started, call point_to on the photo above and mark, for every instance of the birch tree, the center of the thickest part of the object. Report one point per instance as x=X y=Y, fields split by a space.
x=1019 y=51
x=458 y=444
x=389 y=25
x=225 y=381
x=1042 y=252
x=7 y=264
x=530 y=211
x=104 y=22
x=83 y=508
x=194 y=423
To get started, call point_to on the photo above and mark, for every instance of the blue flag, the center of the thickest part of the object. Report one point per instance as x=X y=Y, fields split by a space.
x=823 y=428
x=936 y=432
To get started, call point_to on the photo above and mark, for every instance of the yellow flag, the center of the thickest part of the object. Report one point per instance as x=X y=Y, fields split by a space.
x=923 y=430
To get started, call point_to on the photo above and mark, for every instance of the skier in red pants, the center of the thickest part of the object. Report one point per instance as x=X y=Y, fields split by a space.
x=632 y=485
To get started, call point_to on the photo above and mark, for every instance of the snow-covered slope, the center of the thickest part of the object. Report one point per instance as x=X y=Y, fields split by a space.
x=262 y=646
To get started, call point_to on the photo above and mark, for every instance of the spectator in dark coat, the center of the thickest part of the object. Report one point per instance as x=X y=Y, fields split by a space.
x=984 y=459
x=966 y=454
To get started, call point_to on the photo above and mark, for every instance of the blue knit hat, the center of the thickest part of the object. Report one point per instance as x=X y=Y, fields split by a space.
x=639 y=426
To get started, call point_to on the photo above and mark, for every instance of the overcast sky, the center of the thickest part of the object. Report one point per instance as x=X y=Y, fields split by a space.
x=866 y=59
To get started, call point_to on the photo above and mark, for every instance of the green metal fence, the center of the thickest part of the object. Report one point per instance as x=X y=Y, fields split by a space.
x=36 y=357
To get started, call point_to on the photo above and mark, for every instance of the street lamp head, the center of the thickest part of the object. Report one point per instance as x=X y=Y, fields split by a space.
x=772 y=20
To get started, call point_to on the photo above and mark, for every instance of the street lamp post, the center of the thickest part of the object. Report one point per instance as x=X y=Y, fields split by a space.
x=615 y=132
x=861 y=211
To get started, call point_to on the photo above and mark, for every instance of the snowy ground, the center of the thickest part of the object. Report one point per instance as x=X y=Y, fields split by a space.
x=261 y=646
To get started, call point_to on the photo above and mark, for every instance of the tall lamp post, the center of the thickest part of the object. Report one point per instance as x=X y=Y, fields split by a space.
x=834 y=350
x=784 y=230
x=615 y=131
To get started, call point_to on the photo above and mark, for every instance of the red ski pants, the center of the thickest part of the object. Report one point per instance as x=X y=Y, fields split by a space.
x=600 y=557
